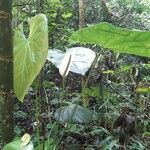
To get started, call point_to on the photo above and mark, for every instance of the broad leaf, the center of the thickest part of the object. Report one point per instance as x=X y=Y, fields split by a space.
x=74 y=114
x=117 y=39
x=29 y=54
x=14 y=145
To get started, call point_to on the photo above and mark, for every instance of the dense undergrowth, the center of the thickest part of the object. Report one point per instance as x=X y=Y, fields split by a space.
x=112 y=111
x=120 y=100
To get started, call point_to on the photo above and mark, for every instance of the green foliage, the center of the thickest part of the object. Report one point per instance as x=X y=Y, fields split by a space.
x=23 y=143
x=109 y=143
x=131 y=14
x=74 y=114
x=67 y=15
x=143 y=89
x=49 y=144
x=137 y=145
x=75 y=123
x=30 y=54
x=115 y=38
x=60 y=22
x=92 y=91
x=14 y=145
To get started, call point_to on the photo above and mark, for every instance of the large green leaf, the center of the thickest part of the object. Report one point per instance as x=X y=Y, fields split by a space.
x=117 y=39
x=29 y=53
x=14 y=145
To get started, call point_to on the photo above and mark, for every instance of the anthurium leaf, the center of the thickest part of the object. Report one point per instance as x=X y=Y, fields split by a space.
x=115 y=38
x=55 y=56
x=29 y=53
x=82 y=59
x=74 y=114
x=14 y=145
x=23 y=143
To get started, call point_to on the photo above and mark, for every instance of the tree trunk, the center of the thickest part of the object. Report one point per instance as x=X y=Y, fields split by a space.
x=6 y=72
x=81 y=14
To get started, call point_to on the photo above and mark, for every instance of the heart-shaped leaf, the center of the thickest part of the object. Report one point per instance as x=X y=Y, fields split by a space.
x=20 y=144
x=29 y=54
x=14 y=145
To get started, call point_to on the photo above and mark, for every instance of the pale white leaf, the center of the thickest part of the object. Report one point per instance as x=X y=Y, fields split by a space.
x=83 y=59
x=55 y=56
x=81 y=62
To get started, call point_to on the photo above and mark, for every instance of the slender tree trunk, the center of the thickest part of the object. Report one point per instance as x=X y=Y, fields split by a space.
x=6 y=72
x=81 y=5
x=81 y=13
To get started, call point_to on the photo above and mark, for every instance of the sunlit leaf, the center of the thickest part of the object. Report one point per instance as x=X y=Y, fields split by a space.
x=14 y=145
x=68 y=15
x=20 y=144
x=29 y=54
x=143 y=89
x=147 y=65
x=108 y=72
x=124 y=68
x=115 y=38
x=54 y=1
x=92 y=91
x=146 y=134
